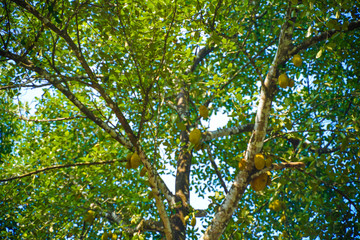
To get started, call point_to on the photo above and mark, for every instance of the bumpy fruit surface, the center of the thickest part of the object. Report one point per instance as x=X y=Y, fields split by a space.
x=259 y=161
x=135 y=160
x=268 y=162
x=283 y=80
x=259 y=183
x=195 y=136
x=204 y=111
x=297 y=61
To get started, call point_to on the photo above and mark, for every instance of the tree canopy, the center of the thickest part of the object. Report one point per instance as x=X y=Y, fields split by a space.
x=129 y=89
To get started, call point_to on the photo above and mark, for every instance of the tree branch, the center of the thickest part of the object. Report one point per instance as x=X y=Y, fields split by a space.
x=322 y=36
x=50 y=120
x=216 y=169
x=268 y=90
x=227 y=132
x=59 y=167
x=24 y=62
x=63 y=34
x=201 y=56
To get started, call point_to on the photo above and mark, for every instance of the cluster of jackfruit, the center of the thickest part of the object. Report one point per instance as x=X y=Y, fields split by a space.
x=261 y=162
x=264 y=179
x=283 y=79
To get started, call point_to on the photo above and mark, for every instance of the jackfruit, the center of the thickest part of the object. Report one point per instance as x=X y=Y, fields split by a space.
x=297 y=61
x=259 y=161
x=204 y=111
x=193 y=221
x=283 y=80
x=128 y=159
x=135 y=160
x=195 y=136
x=268 y=162
x=259 y=183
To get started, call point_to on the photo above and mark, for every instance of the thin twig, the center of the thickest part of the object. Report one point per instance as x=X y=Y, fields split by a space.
x=216 y=169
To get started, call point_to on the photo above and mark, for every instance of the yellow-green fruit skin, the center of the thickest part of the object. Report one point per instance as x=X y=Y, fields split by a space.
x=259 y=183
x=283 y=80
x=135 y=160
x=128 y=163
x=259 y=161
x=297 y=61
x=204 y=111
x=193 y=221
x=195 y=136
x=268 y=162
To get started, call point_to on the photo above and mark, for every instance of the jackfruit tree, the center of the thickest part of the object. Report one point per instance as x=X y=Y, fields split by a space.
x=104 y=102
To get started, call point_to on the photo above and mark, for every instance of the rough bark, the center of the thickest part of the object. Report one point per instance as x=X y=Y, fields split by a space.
x=268 y=89
x=182 y=184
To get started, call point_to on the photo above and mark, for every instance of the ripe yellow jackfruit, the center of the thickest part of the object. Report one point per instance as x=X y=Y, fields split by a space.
x=135 y=160
x=297 y=61
x=204 y=111
x=283 y=80
x=259 y=183
x=195 y=136
x=259 y=161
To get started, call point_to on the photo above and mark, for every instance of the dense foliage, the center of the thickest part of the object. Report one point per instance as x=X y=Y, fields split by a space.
x=119 y=77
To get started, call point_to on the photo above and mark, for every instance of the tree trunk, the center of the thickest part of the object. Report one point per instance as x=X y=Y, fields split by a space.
x=182 y=174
